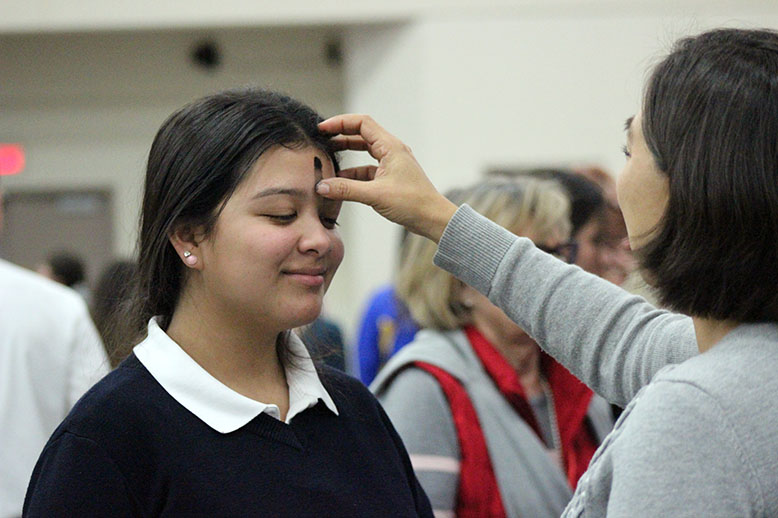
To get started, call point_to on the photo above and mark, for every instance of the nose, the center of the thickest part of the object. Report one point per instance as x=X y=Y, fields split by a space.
x=315 y=238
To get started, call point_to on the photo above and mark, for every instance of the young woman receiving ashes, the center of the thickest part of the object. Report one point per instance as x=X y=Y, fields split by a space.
x=699 y=194
x=220 y=410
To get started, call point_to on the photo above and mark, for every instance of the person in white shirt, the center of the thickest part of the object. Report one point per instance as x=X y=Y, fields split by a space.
x=50 y=354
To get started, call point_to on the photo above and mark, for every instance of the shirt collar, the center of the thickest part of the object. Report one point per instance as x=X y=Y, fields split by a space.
x=213 y=402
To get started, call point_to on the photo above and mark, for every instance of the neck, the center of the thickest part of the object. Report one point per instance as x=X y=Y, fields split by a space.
x=527 y=363
x=709 y=332
x=523 y=354
x=243 y=358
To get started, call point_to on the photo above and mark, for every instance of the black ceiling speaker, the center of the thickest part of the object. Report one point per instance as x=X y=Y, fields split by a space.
x=206 y=55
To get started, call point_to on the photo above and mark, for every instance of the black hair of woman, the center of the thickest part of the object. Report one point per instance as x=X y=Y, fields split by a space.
x=710 y=119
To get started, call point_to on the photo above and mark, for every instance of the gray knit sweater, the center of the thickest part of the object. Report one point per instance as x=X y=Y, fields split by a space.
x=699 y=435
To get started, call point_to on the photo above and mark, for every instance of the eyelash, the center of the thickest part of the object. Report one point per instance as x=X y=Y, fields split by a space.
x=626 y=152
x=285 y=218
x=330 y=223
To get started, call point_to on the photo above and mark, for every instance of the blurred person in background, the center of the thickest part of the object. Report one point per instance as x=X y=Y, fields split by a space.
x=112 y=293
x=324 y=341
x=616 y=261
x=587 y=207
x=386 y=325
x=494 y=426
x=50 y=354
x=66 y=268
x=220 y=410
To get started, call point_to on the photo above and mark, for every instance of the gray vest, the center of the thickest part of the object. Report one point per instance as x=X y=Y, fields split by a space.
x=530 y=482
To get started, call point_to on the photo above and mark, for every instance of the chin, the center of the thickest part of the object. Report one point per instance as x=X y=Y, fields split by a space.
x=304 y=316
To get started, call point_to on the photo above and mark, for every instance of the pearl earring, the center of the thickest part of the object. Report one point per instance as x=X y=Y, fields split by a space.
x=190 y=259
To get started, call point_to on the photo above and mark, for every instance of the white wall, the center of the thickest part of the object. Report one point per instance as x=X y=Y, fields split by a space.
x=78 y=15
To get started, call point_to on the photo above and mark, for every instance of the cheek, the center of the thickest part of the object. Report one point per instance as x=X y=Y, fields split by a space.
x=625 y=193
x=337 y=251
x=621 y=180
x=270 y=246
x=587 y=254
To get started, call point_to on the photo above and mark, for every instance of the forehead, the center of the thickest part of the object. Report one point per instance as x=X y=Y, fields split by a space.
x=282 y=164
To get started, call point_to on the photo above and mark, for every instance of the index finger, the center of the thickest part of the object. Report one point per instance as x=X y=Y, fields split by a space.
x=355 y=124
x=352 y=143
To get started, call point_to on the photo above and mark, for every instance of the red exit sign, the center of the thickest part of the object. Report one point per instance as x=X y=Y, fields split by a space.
x=11 y=159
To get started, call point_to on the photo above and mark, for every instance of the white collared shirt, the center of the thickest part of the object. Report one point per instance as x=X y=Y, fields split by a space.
x=50 y=354
x=220 y=407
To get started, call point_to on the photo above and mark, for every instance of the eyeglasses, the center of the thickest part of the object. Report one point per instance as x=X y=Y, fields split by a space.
x=566 y=252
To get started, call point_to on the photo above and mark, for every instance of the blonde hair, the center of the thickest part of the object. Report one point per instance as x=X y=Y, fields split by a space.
x=521 y=205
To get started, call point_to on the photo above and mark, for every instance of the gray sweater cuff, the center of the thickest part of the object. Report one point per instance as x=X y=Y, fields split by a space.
x=472 y=248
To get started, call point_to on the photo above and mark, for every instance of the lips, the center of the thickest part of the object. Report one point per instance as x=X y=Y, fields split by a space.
x=307 y=271
x=307 y=276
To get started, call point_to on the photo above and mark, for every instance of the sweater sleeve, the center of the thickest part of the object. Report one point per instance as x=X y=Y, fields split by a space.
x=74 y=477
x=420 y=413
x=613 y=341
x=677 y=449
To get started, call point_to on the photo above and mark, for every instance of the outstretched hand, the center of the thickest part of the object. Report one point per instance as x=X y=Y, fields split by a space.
x=397 y=188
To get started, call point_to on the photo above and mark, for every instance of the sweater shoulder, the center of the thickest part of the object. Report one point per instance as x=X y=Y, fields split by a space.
x=127 y=395
x=356 y=404
x=344 y=388
x=738 y=371
x=725 y=389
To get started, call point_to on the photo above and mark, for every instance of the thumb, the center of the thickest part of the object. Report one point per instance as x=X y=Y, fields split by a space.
x=345 y=189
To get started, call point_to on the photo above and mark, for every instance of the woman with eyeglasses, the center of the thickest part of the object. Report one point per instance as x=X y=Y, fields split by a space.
x=494 y=426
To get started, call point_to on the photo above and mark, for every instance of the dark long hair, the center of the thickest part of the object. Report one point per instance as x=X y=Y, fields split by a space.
x=710 y=118
x=198 y=158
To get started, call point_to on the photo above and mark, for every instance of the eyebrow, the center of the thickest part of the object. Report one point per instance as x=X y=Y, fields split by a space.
x=297 y=193
x=628 y=127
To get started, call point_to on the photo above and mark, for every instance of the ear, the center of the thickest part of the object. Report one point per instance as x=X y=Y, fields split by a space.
x=186 y=240
x=467 y=296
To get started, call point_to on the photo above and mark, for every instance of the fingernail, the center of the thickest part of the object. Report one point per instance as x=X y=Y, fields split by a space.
x=322 y=188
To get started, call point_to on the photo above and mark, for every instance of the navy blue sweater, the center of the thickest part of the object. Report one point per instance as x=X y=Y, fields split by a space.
x=128 y=449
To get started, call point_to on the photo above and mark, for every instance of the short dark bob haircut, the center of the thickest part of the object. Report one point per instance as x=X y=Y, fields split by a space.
x=198 y=158
x=710 y=118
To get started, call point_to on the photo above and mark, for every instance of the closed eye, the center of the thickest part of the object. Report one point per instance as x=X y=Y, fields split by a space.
x=282 y=218
x=329 y=222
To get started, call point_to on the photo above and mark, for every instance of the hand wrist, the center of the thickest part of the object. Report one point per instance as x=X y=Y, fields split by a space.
x=441 y=212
